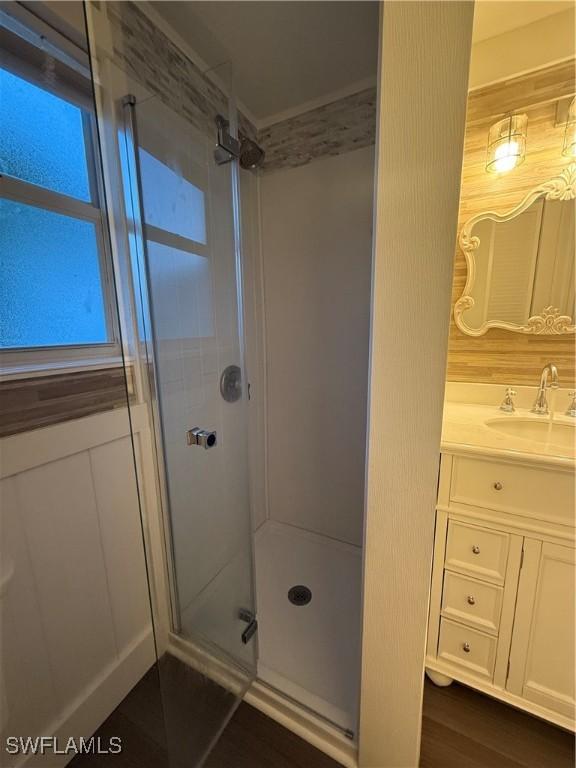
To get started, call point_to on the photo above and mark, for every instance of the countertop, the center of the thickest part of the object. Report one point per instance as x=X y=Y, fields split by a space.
x=464 y=430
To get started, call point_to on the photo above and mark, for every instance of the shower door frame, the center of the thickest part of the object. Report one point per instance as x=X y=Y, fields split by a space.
x=147 y=344
x=144 y=307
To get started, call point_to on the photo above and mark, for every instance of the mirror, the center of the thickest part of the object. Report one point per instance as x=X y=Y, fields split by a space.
x=520 y=265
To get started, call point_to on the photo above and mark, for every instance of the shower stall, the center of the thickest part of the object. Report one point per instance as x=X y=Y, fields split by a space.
x=252 y=360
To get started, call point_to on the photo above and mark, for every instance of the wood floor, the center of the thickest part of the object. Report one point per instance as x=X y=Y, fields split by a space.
x=167 y=720
x=465 y=729
x=460 y=729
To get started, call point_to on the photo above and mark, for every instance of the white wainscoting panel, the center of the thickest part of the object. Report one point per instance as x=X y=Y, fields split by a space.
x=76 y=629
x=60 y=519
x=120 y=530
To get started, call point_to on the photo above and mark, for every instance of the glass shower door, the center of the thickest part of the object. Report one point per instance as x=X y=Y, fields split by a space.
x=186 y=265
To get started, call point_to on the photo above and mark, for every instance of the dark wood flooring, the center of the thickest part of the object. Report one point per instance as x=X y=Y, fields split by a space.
x=461 y=729
x=169 y=718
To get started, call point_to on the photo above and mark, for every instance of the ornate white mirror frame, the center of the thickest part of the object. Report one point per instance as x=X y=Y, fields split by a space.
x=550 y=321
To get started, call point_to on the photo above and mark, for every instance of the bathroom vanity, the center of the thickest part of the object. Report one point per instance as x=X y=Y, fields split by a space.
x=503 y=581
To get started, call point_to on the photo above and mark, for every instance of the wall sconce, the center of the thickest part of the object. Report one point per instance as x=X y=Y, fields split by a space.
x=506 y=144
x=569 y=147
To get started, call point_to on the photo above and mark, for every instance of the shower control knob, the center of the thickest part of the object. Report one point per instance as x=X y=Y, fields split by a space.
x=231 y=384
x=201 y=437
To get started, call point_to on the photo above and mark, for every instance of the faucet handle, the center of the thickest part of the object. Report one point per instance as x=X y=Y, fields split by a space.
x=572 y=407
x=507 y=404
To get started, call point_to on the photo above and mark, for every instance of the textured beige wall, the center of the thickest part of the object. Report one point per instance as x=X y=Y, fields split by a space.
x=424 y=73
x=529 y=47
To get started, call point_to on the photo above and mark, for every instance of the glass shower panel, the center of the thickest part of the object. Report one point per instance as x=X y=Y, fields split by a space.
x=187 y=207
x=176 y=228
x=75 y=605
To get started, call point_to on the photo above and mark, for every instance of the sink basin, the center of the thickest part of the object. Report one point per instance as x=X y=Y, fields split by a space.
x=558 y=433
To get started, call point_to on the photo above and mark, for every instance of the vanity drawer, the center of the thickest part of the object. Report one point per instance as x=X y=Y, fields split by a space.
x=468 y=648
x=472 y=602
x=515 y=488
x=477 y=551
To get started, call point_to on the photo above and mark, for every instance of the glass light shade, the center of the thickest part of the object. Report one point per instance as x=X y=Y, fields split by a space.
x=569 y=147
x=506 y=144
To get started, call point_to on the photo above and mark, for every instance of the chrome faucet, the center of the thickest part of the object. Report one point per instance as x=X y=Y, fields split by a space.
x=541 y=403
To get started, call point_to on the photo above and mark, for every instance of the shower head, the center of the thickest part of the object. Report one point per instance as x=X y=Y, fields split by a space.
x=251 y=155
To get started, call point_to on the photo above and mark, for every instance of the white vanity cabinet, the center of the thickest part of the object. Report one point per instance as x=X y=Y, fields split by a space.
x=543 y=642
x=503 y=582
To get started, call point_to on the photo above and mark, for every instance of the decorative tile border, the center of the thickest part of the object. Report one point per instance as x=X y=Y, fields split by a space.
x=45 y=400
x=335 y=128
x=150 y=57
x=145 y=53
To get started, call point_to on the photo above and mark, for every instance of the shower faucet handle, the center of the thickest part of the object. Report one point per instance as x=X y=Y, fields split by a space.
x=246 y=615
x=201 y=437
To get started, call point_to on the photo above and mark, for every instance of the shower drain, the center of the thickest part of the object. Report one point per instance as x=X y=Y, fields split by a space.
x=299 y=595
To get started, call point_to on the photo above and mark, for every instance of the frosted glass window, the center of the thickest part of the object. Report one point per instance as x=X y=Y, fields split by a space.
x=171 y=202
x=42 y=138
x=50 y=283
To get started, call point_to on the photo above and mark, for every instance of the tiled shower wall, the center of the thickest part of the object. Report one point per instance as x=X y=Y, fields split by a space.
x=151 y=58
x=341 y=126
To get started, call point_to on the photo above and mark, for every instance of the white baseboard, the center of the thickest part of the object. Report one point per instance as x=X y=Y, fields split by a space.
x=89 y=710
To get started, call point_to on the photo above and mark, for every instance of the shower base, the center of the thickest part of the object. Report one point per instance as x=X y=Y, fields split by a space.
x=310 y=652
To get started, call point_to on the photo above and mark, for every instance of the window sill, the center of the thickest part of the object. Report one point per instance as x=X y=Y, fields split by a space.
x=32 y=370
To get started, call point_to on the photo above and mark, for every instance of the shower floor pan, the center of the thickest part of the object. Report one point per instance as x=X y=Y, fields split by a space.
x=309 y=647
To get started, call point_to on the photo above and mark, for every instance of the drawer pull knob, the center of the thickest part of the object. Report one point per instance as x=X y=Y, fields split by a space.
x=466 y=647
x=476 y=549
x=498 y=486
x=471 y=600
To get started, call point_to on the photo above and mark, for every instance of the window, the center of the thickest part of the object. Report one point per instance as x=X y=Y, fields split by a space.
x=56 y=301
x=171 y=202
x=175 y=230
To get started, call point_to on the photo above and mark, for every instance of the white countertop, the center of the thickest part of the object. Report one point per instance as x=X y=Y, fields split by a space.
x=464 y=430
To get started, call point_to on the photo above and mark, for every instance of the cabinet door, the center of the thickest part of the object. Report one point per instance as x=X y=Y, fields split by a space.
x=542 y=652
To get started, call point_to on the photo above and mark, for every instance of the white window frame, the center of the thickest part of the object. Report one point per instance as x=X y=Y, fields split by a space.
x=42 y=360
